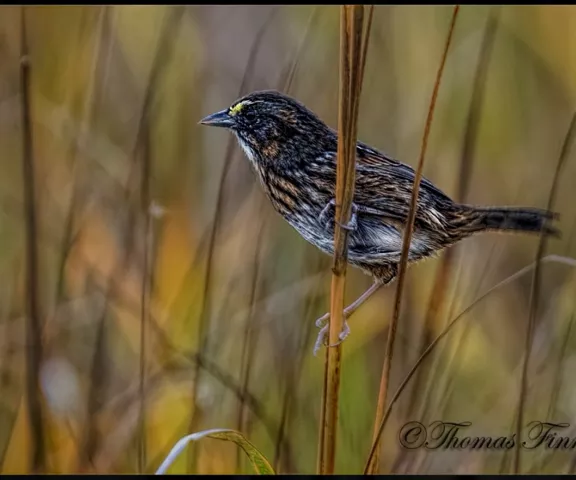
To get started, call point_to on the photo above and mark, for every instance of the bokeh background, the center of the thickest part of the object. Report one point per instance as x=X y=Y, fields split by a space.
x=172 y=299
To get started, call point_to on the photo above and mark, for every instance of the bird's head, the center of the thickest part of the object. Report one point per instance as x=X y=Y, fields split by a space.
x=273 y=127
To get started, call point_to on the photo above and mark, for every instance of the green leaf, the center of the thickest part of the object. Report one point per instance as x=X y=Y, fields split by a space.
x=261 y=465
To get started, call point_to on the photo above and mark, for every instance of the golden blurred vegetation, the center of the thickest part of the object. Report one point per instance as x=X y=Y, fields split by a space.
x=172 y=299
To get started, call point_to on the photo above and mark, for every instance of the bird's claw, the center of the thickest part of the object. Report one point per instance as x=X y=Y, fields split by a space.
x=322 y=338
x=351 y=225
x=328 y=212
x=323 y=320
x=344 y=333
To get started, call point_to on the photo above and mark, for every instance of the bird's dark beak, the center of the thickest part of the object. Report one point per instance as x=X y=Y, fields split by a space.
x=218 y=119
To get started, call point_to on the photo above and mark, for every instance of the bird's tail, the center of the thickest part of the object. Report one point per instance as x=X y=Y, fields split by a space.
x=509 y=219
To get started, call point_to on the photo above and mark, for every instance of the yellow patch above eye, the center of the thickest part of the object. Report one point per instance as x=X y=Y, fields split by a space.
x=235 y=110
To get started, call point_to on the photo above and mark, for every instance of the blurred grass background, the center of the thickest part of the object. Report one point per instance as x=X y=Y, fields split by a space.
x=146 y=218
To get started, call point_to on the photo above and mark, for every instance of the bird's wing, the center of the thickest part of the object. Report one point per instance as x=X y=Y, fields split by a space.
x=384 y=188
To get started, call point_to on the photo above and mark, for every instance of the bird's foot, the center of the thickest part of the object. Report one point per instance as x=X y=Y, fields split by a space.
x=324 y=326
x=329 y=211
x=323 y=335
x=322 y=321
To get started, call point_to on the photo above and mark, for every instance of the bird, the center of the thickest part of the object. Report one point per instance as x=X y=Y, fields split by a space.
x=293 y=154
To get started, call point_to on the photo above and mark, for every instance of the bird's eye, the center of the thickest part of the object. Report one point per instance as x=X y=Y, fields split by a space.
x=250 y=116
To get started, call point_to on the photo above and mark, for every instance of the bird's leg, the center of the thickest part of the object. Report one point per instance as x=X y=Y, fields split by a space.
x=324 y=326
x=350 y=309
x=329 y=211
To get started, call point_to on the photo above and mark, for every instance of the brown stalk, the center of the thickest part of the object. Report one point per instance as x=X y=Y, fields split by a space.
x=438 y=297
x=534 y=291
x=571 y=262
x=34 y=348
x=351 y=64
x=144 y=145
x=373 y=462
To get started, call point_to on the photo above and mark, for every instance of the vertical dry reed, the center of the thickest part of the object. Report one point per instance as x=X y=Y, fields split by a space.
x=34 y=348
x=373 y=463
x=352 y=36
